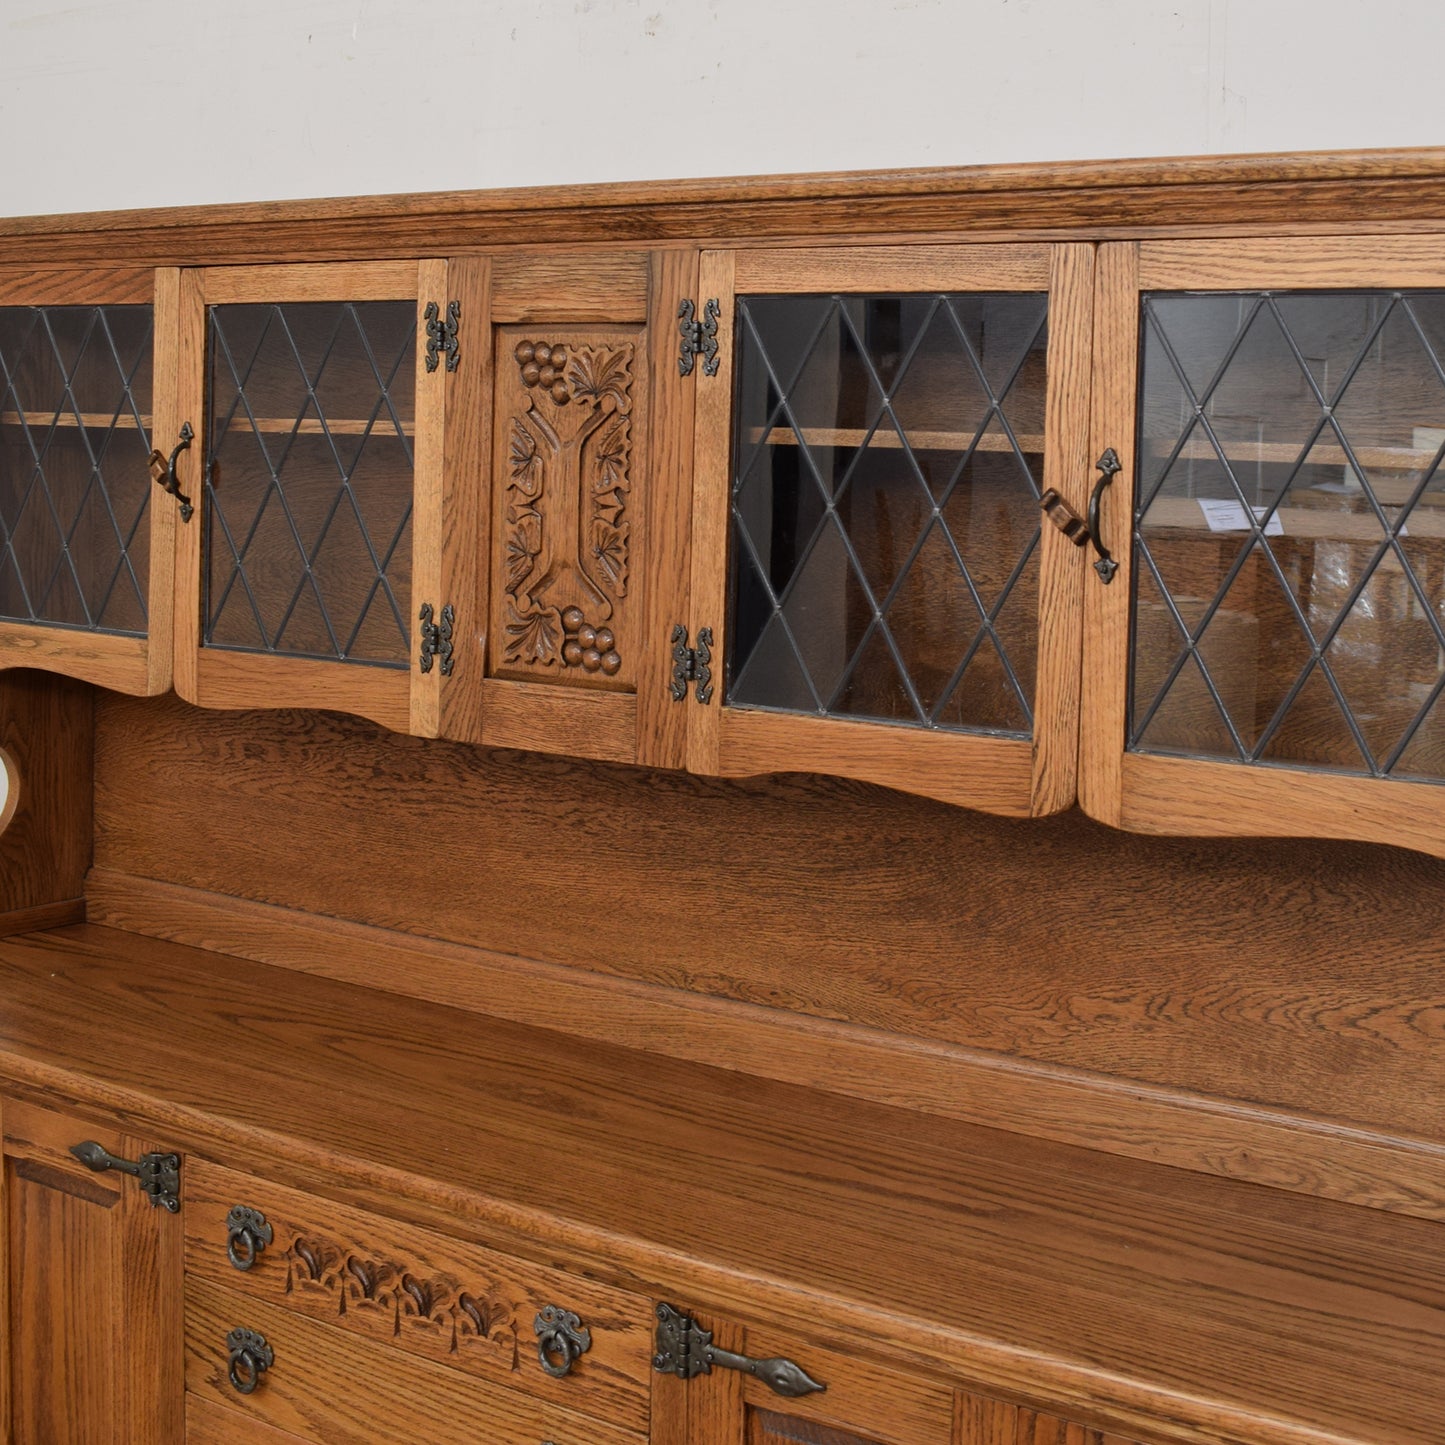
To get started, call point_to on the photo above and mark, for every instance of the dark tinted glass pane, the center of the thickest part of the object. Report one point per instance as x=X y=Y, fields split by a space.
x=75 y=418
x=309 y=479
x=1290 y=536
x=887 y=457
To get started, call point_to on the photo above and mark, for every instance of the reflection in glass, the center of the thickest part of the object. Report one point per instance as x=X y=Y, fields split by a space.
x=887 y=456
x=309 y=479
x=1290 y=530
x=75 y=420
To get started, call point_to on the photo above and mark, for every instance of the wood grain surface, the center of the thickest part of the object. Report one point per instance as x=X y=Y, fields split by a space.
x=1095 y=198
x=335 y=1389
x=1233 y=1312
x=94 y=1272
x=46 y=731
x=423 y=1294
x=1300 y=975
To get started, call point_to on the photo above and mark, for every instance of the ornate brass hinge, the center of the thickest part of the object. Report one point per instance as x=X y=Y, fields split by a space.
x=436 y=638
x=698 y=336
x=691 y=664
x=441 y=336
x=686 y=1350
x=159 y=1174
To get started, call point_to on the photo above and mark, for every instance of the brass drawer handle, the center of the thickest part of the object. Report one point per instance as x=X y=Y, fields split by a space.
x=247 y=1235
x=562 y=1340
x=250 y=1357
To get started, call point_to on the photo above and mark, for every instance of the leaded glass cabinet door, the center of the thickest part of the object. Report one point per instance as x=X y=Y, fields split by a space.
x=328 y=562
x=585 y=515
x=868 y=556
x=1270 y=657
x=85 y=536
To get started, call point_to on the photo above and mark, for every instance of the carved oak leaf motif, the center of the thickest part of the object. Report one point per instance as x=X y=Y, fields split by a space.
x=609 y=547
x=594 y=375
x=526 y=465
x=536 y=637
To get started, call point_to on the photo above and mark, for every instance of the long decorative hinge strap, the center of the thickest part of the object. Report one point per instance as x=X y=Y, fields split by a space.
x=441 y=336
x=691 y=664
x=698 y=337
x=686 y=1350
x=436 y=638
x=159 y=1174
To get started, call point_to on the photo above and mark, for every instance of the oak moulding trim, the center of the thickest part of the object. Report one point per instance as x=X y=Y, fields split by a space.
x=43 y=916
x=1421 y=162
x=1403 y=183
x=1274 y=1147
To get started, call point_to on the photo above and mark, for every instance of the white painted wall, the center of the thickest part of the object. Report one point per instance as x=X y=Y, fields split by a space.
x=118 y=103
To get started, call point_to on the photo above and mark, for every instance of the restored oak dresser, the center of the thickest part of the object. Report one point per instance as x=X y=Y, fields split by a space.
x=729 y=812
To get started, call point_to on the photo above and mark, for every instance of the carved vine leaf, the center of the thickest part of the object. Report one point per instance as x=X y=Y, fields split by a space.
x=595 y=375
x=535 y=637
x=524 y=542
x=612 y=456
x=526 y=464
x=609 y=548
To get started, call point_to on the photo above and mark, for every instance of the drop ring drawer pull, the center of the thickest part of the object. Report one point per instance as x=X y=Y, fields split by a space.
x=250 y=1357
x=247 y=1235
x=562 y=1339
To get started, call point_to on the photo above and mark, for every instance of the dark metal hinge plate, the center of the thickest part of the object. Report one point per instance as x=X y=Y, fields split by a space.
x=699 y=338
x=685 y=1349
x=159 y=1175
x=441 y=336
x=691 y=664
x=436 y=638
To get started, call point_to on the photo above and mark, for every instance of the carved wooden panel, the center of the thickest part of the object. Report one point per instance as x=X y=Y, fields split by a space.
x=410 y=1289
x=566 y=505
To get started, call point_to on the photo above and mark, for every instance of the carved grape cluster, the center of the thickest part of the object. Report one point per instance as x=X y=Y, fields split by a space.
x=591 y=648
x=542 y=365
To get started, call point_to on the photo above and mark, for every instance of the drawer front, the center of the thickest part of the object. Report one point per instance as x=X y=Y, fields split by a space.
x=327 y=1385
x=420 y=1294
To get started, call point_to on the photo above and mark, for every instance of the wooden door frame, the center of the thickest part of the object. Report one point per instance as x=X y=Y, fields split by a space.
x=634 y=288
x=1016 y=777
x=140 y=666
x=1151 y=793
x=218 y=677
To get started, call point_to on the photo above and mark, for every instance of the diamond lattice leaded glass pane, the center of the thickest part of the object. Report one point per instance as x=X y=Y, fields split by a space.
x=75 y=403
x=309 y=479
x=1289 y=600
x=885 y=523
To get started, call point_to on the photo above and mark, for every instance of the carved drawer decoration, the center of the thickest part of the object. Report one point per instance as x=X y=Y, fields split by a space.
x=408 y=1288
x=565 y=506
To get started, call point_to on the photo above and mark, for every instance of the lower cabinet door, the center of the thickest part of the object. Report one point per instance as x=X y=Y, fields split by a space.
x=92 y=1275
x=856 y=1402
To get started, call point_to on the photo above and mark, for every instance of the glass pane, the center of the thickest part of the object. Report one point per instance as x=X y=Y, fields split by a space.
x=1290 y=532
x=887 y=459
x=75 y=484
x=309 y=479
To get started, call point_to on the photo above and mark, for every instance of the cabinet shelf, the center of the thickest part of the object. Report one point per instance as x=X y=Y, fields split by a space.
x=1314 y=524
x=308 y=426
x=943 y=441
x=1385 y=459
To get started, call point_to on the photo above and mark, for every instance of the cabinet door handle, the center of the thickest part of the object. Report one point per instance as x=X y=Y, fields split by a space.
x=1079 y=531
x=249 y=1357
x=163 y=470
x=1107 y=466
